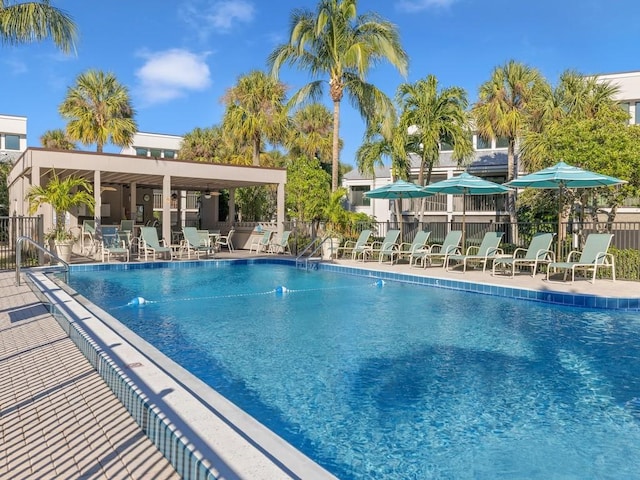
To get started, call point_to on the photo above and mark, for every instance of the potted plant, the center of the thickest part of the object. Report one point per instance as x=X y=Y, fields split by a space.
x=336 y=220
x=62 y=195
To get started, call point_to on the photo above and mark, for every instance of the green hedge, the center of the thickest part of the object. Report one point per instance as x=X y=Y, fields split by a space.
x=627 y=263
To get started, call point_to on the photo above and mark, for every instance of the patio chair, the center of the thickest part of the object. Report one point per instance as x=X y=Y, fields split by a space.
x=125 y=232
x=225 y=240
x=593 y=256
x=406 y=249
x=437 y=251
x=356 y=247
x=112 y=245
x=488 y=250
x=281 y=245
x=88 y=231
x=195 y=241
x=261 y=244
x=150 y=245
x=388 y=247
x=538 y=253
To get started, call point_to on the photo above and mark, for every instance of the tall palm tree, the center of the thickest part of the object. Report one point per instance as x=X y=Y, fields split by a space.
x=310 y=132
x=336 y=42
x=99 y=110
x=256 y=112
x=432 y=117
x=28 y=22
x=376 y=147
x=504 y=102
x=57 y=139
x=204 y=145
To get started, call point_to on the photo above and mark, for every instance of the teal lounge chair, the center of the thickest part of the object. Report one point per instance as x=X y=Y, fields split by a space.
x=88 y=232
x=225 y=240
x=538 y=253
x=195 y=241
x=450 y=246
x=261 y=244
x=356 y=247
x=593 y=256
x=150 y=245
x=488 y=250
x=112 y=245
x=281 y=245
x=386 y=248
x=407 y=250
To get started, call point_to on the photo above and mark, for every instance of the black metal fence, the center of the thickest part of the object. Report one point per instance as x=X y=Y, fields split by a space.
x=10 y=229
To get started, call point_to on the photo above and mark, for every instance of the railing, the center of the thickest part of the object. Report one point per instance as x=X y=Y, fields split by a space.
x=19 y=243
x=13 y=227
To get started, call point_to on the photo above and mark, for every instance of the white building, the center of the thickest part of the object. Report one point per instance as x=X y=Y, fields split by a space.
x=13 y=137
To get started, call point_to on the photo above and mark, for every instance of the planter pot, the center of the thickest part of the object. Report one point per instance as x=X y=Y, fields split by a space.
x=330 y=248
x=63 y=249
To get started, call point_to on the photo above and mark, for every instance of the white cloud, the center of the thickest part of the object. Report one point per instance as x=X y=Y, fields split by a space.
x=171 y=74
x=205 y=17
x=418 y=5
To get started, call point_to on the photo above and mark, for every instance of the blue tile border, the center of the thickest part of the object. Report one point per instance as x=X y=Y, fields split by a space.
x=546 y=296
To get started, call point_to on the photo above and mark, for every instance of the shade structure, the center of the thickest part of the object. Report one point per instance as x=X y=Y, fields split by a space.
x=466 y=184
x=563 y=176
x=398 y=189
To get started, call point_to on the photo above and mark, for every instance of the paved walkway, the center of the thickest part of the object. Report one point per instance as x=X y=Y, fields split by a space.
x=58 y=419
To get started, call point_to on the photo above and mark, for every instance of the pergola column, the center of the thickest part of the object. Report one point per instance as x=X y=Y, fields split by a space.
x=280 y=209
x=166 y=208
x=132 y=200
x=97 y=197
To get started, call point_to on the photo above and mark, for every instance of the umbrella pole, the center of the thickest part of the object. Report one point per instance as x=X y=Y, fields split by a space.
x=464 y=222
x=558 y=254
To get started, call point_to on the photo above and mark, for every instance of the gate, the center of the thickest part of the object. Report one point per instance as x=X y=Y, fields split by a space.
x=10 y=229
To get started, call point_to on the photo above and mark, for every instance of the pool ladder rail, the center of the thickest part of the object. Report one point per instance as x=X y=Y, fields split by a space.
x=309 y=258
x=23 y=239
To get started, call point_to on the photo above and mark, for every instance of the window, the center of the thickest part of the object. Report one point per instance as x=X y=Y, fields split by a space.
x=357 y=196
x=446 y=147
x=141 y=152
x=12 y=142
x=502 y=142
x=625 y=107
x=637 y=113
x=169 y=154
x=156 y=153
x=481 y=143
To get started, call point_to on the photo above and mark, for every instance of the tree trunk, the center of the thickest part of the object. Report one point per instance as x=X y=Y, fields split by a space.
x=335 y=160
x=256 y=152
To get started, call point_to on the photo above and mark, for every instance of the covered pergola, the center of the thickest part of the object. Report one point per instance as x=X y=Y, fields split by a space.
x=36 y=165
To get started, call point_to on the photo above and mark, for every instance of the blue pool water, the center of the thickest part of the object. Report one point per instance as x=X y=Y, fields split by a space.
x=398 y=381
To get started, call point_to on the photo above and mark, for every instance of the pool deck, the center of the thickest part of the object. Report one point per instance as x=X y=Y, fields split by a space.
x=58 y=419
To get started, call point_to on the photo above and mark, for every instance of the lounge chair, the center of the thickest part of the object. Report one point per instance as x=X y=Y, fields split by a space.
x=593 y=256
x=356 y=247
x=225 y=240
x=150 y=245
x=112 y=245
x=281 y=245
x=437 y=251
x=388 y=247
x=125 y=232
x=538 y=253
x=195 y=241
x=261 y=244
x=407 y=250
x=488 y=250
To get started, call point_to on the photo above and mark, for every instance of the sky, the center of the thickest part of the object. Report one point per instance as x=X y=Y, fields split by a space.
x=179 y=57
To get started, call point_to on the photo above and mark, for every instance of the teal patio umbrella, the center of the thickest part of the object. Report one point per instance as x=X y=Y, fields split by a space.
x=562 y=176
x=466 y=184
x=397 y=191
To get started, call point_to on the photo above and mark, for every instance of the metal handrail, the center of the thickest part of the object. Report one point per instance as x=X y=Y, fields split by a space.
x=308 y=247
x=39 y=247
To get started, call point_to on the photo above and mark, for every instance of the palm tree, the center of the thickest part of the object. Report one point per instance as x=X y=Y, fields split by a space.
x=57 y=139
x=62 y=195
x=433 y=117
x=256 y=112
x=29 y=22
x=376 y=147
x=204 y=145
x=310 y=133
x=502 y=109
x=336 y=42
x=99 y=110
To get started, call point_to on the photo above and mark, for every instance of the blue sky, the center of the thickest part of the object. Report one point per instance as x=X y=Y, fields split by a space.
x=178 y=57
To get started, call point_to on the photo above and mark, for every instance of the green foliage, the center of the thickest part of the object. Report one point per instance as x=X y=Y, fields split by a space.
x=255 y=203
x=307 y=189
x=98 y=109
x=5 y=168
x=627 y=263
x=62 y=195
x=204 y=145
x=537 y=206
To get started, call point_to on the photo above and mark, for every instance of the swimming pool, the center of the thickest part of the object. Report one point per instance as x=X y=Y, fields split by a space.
x=395 y=380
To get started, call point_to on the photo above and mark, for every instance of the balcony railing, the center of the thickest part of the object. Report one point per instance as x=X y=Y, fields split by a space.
x=191 y=199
